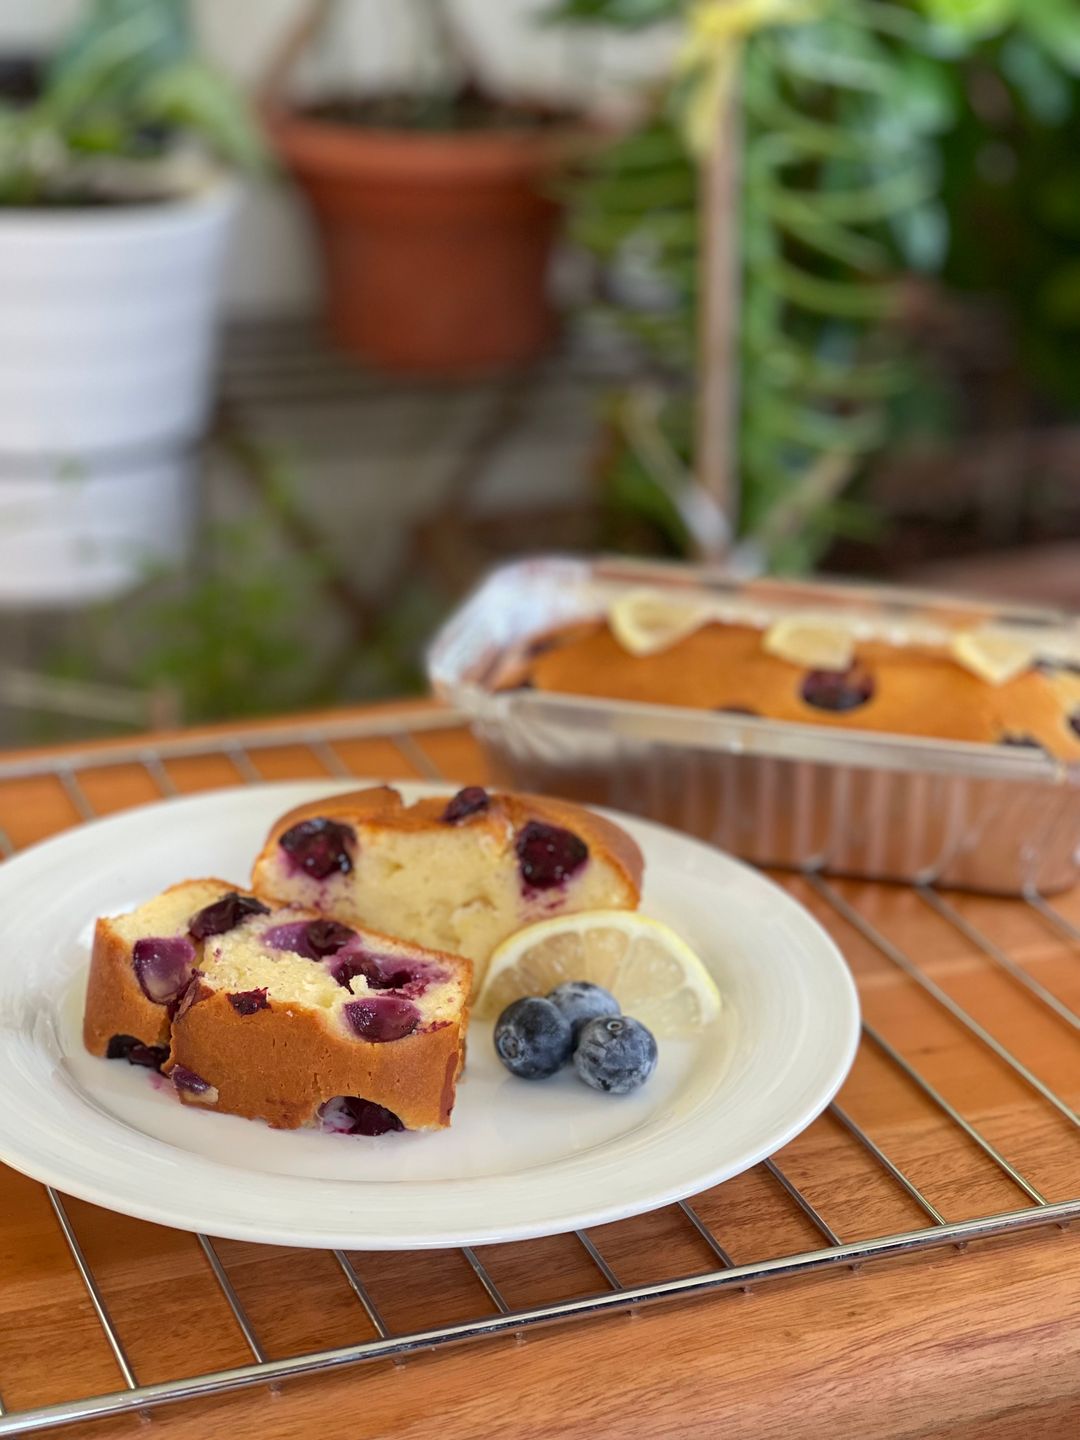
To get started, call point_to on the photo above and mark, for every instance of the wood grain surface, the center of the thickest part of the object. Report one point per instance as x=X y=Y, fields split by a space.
x=979 y=1344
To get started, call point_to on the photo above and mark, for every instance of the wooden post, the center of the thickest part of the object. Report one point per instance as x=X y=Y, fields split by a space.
x=716 y=464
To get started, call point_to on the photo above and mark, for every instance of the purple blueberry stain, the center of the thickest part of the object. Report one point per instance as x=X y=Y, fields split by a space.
x=163 y=966
x=381 y=1018
x=386 y=972
x=837 y=690
x=135 y=1052
x=224 y=915
x=314 y=939
x=737 y=710
x=548 y=855
x=473 y=800
x=246 y=1002
x=352 y=1115
x=193 y=1085
x=319 y=847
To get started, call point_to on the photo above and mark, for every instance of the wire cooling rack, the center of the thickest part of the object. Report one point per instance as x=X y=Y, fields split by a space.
x=957 y=1123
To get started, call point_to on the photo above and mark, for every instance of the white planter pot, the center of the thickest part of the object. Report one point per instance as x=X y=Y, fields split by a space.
x=107 y=330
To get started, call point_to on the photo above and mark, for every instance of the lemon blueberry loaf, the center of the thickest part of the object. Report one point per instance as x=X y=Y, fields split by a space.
x=280 y=1015
x=458 y=875
x=912 y=689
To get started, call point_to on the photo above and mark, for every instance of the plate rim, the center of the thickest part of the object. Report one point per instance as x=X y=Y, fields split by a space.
x=160 y=1212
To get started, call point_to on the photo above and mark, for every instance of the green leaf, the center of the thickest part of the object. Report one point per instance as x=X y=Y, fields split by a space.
x=127 y=67
x=818 y=232
x=922 y=236
x=925 y=95
x=193 y=96
x=972 y=19
x=1055 y=24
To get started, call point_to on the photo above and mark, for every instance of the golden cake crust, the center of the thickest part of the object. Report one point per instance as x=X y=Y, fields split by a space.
x=917 y=692
x=281 y=1063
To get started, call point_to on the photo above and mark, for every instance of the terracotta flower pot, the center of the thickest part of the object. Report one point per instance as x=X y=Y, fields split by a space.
x=436 y=245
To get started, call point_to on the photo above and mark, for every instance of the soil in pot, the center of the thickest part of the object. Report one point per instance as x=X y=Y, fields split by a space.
x=437 y=221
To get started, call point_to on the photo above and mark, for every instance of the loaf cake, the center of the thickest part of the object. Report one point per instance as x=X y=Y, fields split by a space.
x=912 y=690
x=458 y=875
x=279 y=1014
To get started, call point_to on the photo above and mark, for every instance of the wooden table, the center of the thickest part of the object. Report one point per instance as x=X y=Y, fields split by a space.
x=974 y=1343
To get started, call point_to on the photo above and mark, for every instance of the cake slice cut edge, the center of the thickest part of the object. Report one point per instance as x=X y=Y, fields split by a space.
x=281 y=1016
x=457 y=874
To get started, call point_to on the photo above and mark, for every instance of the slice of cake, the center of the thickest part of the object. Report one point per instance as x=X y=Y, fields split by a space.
x=458 y=875
x=279 y=1015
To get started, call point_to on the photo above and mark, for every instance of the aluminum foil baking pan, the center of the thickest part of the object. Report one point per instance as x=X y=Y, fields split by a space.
x=1004 y=819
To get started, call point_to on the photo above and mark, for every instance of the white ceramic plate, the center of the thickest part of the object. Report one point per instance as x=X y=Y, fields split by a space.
x=521 y=1159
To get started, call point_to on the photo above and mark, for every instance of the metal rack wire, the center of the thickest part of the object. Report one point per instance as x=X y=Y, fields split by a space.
x=406 y=731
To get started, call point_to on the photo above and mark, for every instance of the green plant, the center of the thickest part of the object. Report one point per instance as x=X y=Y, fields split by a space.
x=126 y=86
x=858 y=123
x=1009 y=166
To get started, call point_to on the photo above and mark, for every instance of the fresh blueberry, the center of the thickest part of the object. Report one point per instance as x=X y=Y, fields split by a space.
x=579 y=1001
x=533 y=1038
x=838 y=690
x=548 y=855
x=224 y=915
x=1074 y=722
x=615 y=1054
x=473 y=800
x=319 y=847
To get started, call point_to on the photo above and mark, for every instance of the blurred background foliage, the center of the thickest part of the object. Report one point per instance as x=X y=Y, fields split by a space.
x=125 y=90
x=881 y=142
x=909 y=227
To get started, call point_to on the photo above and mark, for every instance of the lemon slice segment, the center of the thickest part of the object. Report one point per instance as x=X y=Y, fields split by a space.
x=995 y=656
x=645 y=622
x=816 y=644
x=654 y=975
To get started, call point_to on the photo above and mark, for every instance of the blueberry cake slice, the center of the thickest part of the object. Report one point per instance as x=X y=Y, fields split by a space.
x=279 y=1015
x=458 y=875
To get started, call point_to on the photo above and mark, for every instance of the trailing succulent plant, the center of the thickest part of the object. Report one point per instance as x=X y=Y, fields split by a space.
x=845 y=107
x=117 y=110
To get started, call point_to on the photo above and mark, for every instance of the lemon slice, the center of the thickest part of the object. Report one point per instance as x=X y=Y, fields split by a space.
x=995 y=656
x=647 y=621
x=653 y=974
x=817 y=644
